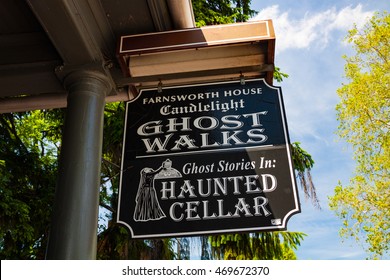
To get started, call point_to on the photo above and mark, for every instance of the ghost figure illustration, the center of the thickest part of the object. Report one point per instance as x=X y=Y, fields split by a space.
x=147 y=206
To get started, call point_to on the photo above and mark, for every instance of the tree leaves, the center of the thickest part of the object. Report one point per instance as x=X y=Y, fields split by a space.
x=303 y=163
x=28 y=173
x=364 y=117
x=212 y=12
x=256 y=246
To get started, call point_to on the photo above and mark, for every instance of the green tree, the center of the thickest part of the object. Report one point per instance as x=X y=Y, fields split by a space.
x=303 y=163
x=364 y=116
x=28 y=169
x=256 y=246
x=211 y=12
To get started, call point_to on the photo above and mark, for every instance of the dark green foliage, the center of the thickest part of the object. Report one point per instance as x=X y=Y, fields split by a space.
x=303 y=163
x=27 y=181
x=256 y=246
x=211 y=12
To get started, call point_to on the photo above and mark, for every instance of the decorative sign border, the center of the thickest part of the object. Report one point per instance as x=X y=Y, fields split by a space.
x=206 y=159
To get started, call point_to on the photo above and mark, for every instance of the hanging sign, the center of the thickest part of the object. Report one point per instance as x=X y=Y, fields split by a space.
x=206 y=159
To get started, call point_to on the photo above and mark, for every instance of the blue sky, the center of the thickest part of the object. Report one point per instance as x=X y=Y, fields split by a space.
x=309 y=47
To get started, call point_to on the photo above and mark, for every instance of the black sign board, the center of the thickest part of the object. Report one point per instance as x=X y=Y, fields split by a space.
x=206 y=159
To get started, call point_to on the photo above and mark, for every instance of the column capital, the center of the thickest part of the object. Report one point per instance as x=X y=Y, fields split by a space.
x=95 y=73
x=87 y=77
